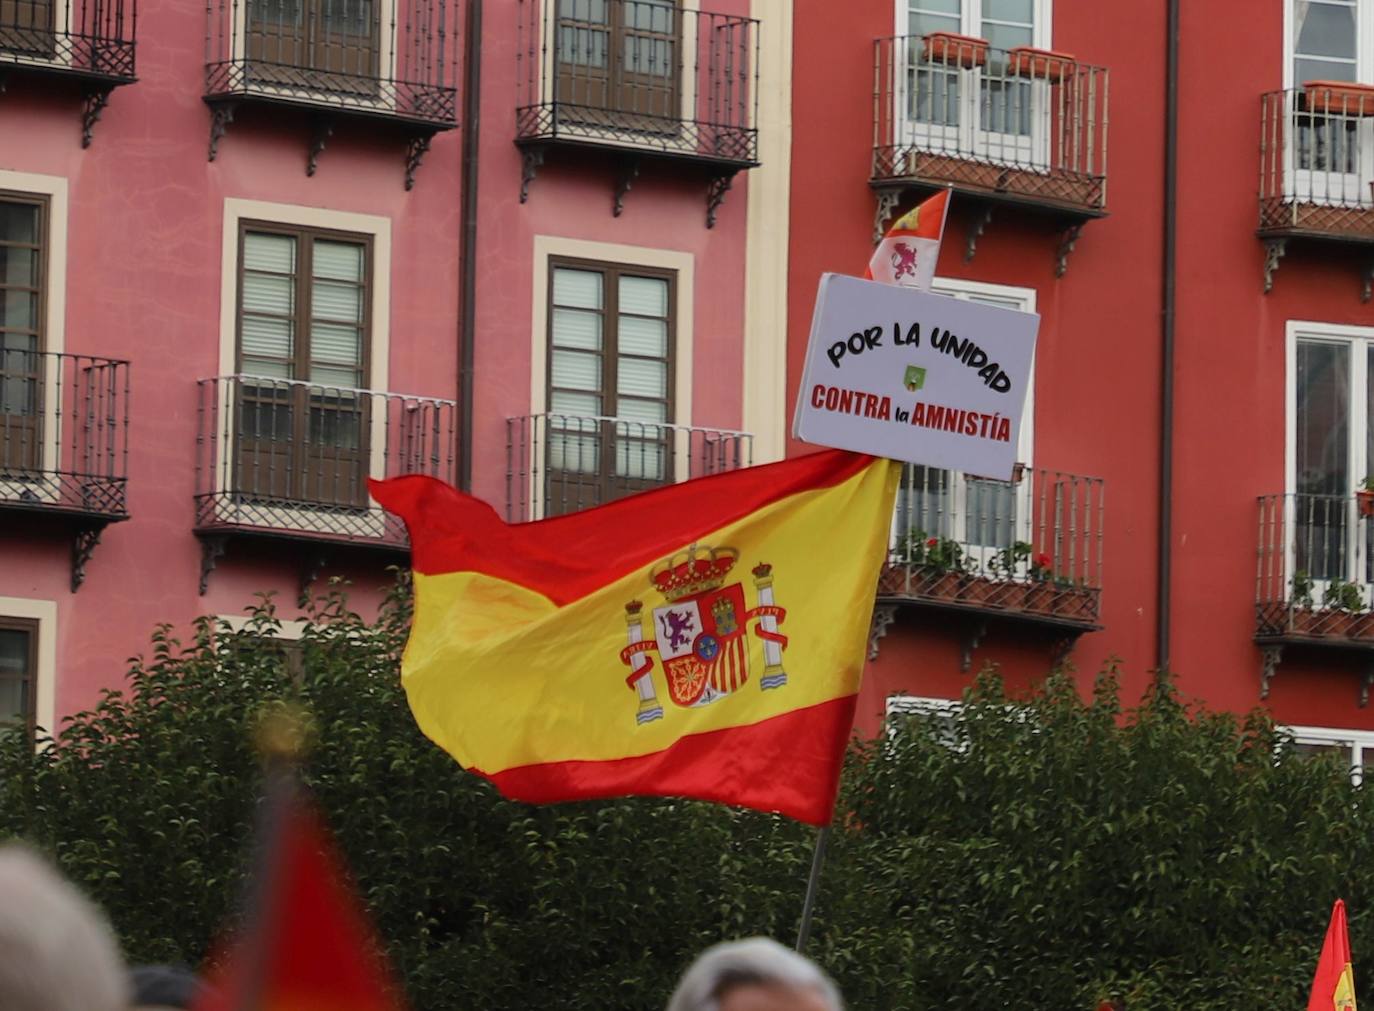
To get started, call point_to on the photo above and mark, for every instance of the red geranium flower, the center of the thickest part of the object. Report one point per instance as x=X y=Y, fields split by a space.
x=1043 y=561
x=932 y=542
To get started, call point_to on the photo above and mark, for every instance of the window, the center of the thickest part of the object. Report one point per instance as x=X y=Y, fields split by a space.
x=303 y=347
x=26 y=27
x=1331 y=40
x=337 y=39
x=1352 y=744
x=1331 y=451
x=18 y=672
x=23 y=231
x=611 y=339
x=980 y=110
x=622 y=57
x=984 y=516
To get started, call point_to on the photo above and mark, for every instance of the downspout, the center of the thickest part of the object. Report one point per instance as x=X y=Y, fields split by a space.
x=467 y=317
x=1166 y=436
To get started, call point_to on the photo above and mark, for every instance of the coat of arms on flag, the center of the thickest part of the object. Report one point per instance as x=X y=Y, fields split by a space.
x=701 y=631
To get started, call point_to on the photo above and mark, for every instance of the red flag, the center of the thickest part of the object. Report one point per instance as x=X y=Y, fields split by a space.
x=1333 y=987
x=308 y=945
x=907 y=253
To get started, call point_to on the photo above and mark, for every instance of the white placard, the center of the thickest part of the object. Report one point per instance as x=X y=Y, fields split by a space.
x=915 y=376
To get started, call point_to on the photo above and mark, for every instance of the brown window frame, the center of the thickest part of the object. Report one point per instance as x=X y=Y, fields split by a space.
x=607 y=485
x=21 y=435
x=31 y=627
x=351 y=494
x=311 y=56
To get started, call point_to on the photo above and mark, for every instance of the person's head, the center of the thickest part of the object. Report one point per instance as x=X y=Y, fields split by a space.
x=57 y=952
x=158 y=987
x=756 y=974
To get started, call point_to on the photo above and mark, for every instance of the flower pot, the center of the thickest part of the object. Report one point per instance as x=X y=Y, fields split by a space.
x=1340 y=624
x=1342 y=98
x=1304 y=621
x=1045 y=64
x=1365 y=500
x=965 y=51
x=977 y=589
x=1040 y=597
x=942 y=585
x=1011 y=596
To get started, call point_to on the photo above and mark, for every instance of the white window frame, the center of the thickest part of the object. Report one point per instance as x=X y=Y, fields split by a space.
x=44 y=612
x=1356 y=339
x=969 y=136
x=1358 y=742
x=1024 y=300
x=377 y=379
x=1318 y=185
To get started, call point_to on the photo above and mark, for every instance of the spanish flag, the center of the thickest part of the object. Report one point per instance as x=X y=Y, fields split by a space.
x=703 y=639
x=1333 y=987
x=908 y=252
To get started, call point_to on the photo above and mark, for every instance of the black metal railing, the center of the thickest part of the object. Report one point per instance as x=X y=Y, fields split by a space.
x=93 y=38
x=1023 y=122
x=561 y=463
x=294 y=458
x=64 y=433
x=1033 y=545
x=1317 y=160
x=1316 y=567
x=643 y=73
x=398 y=60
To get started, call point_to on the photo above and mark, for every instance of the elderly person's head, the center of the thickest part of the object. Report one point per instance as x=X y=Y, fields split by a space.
x=756 y=974
x=57 y=952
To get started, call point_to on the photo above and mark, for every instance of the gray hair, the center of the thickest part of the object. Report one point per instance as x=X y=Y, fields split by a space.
x=755 y=961
x=57 y=952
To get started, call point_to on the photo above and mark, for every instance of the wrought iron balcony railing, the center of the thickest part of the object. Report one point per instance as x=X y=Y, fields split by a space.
x=1317 y=162
x=1031 y=547
x=644 y=75
x=397 y=61
x=560 y=463
x=1022 y=124
x=1316 y=568
x=292 y=459
x=64 y=434
x=88 y=38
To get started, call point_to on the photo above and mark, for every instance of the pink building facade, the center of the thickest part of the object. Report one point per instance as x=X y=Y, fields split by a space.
x=235 y=246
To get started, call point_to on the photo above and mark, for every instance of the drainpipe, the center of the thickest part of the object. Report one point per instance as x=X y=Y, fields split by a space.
x=467 y=318
x=1166 y=438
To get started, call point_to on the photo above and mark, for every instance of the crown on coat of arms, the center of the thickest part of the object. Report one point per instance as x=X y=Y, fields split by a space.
x=696 y=570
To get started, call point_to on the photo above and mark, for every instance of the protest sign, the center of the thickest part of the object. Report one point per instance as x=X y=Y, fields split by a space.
x=915 y=376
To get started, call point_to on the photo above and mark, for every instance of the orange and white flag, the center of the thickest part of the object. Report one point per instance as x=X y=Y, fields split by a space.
x=908 y=252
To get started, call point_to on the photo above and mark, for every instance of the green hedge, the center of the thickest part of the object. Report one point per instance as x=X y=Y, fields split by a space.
x=1043 y=853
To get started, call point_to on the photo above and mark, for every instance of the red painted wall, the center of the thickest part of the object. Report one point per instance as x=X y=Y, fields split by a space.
x=1098 y=356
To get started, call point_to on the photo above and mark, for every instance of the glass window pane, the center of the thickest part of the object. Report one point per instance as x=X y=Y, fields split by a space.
x=18 y=265
x=1324 y=29
x=340 y=261
x=269 y=293
x=1010 y=10
x=580 y=289
x=577 y=370
x=577 y=328
x=1323 y=70
x=19 y=223
x=334 y=376
x=15 y=675
x=276 y=253
x=634 y=409
x=647 y=337
x=339 y=345
x=18 y=309
x=644 y=296
x=643 y=378
x=583 y=10
x=923 y=508
x=643 y=459
x=1005 y=37
x=1324 y=482
x=924 y=24
x=580 y=404
x=337 y=300
x=271 y=368
x=936 y=6
x=267 y=338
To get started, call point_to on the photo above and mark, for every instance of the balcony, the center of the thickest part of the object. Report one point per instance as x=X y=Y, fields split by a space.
x=64 y=445
x=559 y=463
x=1315 y=581
x=973 y=551
x=1317 y=174
x=289 y=461
x=1013 y=129
x=87 y=42
x=639 y=80
x=333 y=61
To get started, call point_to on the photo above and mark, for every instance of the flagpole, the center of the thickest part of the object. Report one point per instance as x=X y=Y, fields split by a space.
x=812 y=885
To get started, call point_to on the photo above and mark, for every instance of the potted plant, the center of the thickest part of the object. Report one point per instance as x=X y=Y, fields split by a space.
x=1006 y=568
x=1045 y=64
x=1345 y=601
x=1339 y=98
x=1364 y=496
x=965 y=51
x=1041 y=591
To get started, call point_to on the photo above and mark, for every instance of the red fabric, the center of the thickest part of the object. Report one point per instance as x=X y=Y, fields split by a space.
x=310 y=946
x=734 y=766
x=1334 y=958
x=567 y=557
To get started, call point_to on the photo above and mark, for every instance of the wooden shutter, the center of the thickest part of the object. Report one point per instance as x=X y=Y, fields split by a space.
x=26 y=27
